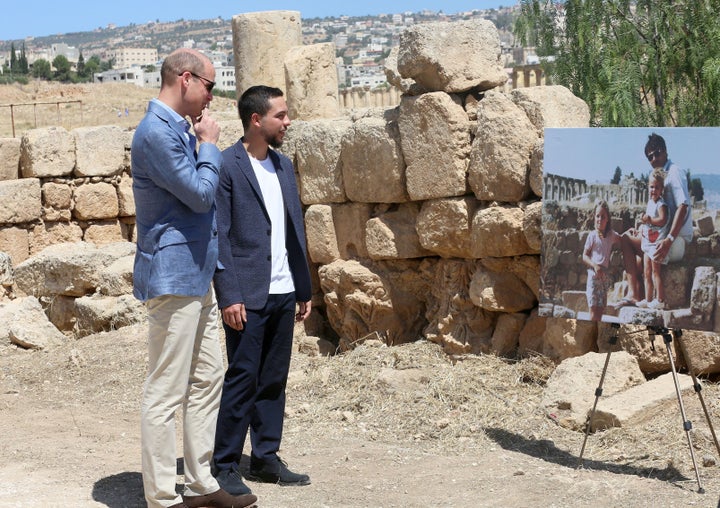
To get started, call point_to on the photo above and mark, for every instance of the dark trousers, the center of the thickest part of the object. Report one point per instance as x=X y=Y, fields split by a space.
x=254 y=388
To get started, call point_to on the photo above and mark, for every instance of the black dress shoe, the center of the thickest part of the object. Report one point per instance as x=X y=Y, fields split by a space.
x=230 y=480
x=220 y=499
x=274 y=471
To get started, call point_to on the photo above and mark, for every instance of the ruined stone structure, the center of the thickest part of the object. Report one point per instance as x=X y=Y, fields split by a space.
x=423 y=220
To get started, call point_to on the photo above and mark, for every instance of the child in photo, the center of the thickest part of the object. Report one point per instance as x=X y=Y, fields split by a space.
x=596 y=255
x=654 y=229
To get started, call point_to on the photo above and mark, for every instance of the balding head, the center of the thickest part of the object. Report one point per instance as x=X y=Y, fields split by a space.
x=181 y=60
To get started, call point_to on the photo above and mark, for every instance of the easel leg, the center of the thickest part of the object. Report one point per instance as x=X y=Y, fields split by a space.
x=598 y=391
x=667 y=337
x=696 y=384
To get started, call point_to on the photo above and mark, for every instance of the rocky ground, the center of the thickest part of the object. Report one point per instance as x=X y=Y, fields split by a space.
x=376 y=426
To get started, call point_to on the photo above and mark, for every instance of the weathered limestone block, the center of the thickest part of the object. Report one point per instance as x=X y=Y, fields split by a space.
x=531 y=337
x=705 y=224
x=536 y=168
x=701 y=351
x=385 y=300
x=47 y=152
x=350 y=220
x=56 y=202
x=16 y=243
x=565 y=338
x=312 y=81
x=704 y=292
x=60 y=310
x=407 y=86
x=678 y=277
x=454 y=321
x=96 y=201
x=500 y=155
x=444 y=226
x=9 y=158
x=526 y=268
x=24 y=323
x=318 y=160
x=98 y=313
x=322 y=243
x=500 y=291
x=126 y=200
x=551 y=107
x=648 y=350
x=452 y=57
x=392 y=235
x=99 y=151
x=6 y=270
x=51 y=233
x=373 y=167
x=497 y=231
x=507 y=332
x=532 y=226
x=435 y=140
x=70 y=269
x=230 y=133
x=569 y=391
x=104 y=232
x=117 y=278
x=260 y=42
x=20 y=201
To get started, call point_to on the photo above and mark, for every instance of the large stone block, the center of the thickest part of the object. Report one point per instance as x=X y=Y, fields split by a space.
x=452 y=57
x=373 y=167
x=99 y=151
x=104 y=232
x=96 y=201
x=98 y=313
x=435 y=140
x=566 y=338
x=444 y=226
x=320 y=231
x=500 y=291
x=51 y=233
x=551 y=107
x=500 y=155
x=20 y=201
x=126 y=199
x=318 y=160
x=23 y=323
x=9 y=158
x=260 y=42
x=312 y=81
x=47 y=152
x=350 y=220
x=497 y=231
x=392 y=235
x=16 y=243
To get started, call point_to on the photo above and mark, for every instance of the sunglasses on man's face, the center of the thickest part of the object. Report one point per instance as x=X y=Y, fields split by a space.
x=653 y=155
x=209 y=85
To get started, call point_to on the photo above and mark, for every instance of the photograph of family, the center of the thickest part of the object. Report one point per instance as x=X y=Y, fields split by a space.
x=630 y=231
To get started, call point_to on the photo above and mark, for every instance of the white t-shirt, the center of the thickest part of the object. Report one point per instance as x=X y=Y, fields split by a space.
x=281 y=280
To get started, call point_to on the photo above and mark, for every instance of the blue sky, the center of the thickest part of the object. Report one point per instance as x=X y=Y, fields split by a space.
x=23 y=18
x=593 y=154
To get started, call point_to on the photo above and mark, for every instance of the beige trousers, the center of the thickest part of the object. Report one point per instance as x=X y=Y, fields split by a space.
x=185 y=370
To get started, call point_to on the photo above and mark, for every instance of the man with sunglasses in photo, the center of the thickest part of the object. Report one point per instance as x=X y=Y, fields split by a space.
x=677 y=198
x=175 y=177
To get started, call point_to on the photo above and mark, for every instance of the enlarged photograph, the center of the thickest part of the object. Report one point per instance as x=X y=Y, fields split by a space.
x=630 y=226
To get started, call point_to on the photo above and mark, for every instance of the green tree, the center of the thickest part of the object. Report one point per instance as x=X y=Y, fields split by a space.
x=92 y=66
x=13 y=59
x=80 y=68
x=41 y=69
x=635 y=62
x=617 y=176
x=62 y=68
x=23 y=67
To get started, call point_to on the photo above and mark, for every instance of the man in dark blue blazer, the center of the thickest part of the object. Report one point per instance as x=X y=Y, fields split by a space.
x=174 y=188
x=264 y=276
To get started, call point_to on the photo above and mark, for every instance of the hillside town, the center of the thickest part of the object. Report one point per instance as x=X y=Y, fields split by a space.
x=134 y=53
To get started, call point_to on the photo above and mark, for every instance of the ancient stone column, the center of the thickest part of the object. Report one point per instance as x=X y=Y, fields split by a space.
x=312 y=83
x=260 y=42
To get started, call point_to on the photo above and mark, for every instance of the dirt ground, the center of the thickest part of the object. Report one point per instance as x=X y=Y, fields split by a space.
x=377 y=426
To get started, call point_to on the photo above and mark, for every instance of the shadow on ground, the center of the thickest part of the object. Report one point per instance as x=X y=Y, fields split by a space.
x=122 y=490
x=546 y=450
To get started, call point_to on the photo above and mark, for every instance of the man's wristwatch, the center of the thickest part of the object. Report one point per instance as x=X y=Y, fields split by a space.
x=670 y=237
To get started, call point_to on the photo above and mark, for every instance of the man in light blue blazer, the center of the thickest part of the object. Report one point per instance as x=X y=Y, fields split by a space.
x=263 y=276
x=174 y=188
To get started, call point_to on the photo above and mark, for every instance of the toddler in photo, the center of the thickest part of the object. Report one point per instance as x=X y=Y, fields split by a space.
x=654 y=229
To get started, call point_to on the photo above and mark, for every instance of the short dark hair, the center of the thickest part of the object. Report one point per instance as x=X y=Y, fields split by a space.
x=256 y=99
x=655 y=142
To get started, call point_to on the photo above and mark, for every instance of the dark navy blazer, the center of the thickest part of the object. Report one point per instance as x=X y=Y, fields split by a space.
x=244 y=232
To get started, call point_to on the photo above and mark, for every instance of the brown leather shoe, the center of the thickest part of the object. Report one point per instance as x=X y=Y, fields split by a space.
x=220 y=499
